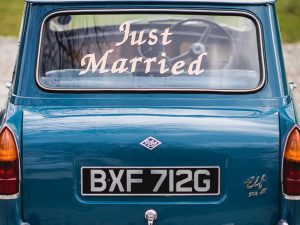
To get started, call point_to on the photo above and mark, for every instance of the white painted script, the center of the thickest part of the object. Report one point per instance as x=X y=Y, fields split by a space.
x=91 y=64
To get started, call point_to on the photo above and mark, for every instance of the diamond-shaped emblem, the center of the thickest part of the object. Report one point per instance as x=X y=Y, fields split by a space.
x=150 y=143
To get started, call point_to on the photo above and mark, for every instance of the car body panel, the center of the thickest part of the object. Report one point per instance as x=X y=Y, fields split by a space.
x=241 y=142
x=55 y=131
x=11 y=209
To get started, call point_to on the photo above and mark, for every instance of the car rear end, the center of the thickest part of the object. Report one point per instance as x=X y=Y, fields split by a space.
x=164 y=113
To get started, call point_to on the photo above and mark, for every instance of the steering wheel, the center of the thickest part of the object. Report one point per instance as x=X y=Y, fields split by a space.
x=199 y=47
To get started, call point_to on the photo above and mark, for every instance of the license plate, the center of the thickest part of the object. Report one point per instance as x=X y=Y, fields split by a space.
x=150 y=181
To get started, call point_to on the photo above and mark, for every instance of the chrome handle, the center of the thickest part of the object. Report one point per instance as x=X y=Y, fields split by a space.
x=8 y=85
x=150 y=216
x=293 y=85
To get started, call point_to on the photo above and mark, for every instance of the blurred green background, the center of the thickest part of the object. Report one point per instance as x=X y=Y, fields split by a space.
x=288 y=13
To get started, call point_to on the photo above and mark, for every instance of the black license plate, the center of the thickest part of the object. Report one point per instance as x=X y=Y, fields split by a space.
x=150 y=181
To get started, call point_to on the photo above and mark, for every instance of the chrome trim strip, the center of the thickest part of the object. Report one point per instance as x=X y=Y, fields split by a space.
x=170 y=1
x=152 y=167
x=14 y=196
x=9 y=197
x=225 y=12
x=294 y=198
x=288 y=197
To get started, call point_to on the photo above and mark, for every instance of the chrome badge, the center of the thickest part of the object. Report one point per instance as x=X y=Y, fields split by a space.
x=150 y=143
x=256 y=186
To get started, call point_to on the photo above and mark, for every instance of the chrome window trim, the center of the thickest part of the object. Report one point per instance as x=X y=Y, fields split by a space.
x=151 y=167
x=14 y=196
x=288 y=197
x=260 y=46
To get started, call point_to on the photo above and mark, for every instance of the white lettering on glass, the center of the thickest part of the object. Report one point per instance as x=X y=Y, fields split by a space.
x=89 y=63
x=92 y=63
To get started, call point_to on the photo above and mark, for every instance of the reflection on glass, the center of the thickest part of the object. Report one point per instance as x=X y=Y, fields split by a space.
x=149 y=51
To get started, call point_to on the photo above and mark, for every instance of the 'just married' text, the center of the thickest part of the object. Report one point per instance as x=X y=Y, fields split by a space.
x=89 y=63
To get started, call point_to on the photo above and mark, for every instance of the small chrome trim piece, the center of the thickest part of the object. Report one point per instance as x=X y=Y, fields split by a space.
x=293 y=85
x=9 y=197
x=282 y=222
x=288 y=197
x=8 y=85
x=134 y=90
x=151 y=167
x=14 y=196
x=150 y=216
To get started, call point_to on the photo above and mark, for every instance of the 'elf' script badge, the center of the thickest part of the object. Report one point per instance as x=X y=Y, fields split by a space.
x=256 y=186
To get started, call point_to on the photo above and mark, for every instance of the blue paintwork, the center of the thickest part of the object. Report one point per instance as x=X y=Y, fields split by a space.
x=11 y=210
x=60 y=132
x=190 y=137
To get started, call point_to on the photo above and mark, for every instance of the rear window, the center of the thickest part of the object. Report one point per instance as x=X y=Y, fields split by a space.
x=150 y=51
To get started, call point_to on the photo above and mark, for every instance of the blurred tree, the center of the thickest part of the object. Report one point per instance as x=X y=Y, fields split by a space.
x=290 y=6
x=10 y=16
x=289 y=17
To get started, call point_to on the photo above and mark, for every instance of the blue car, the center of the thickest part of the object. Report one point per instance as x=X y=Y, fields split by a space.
x=164 y=112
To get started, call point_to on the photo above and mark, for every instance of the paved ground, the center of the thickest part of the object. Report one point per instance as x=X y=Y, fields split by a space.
x=292 y=64
x=8 y=51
